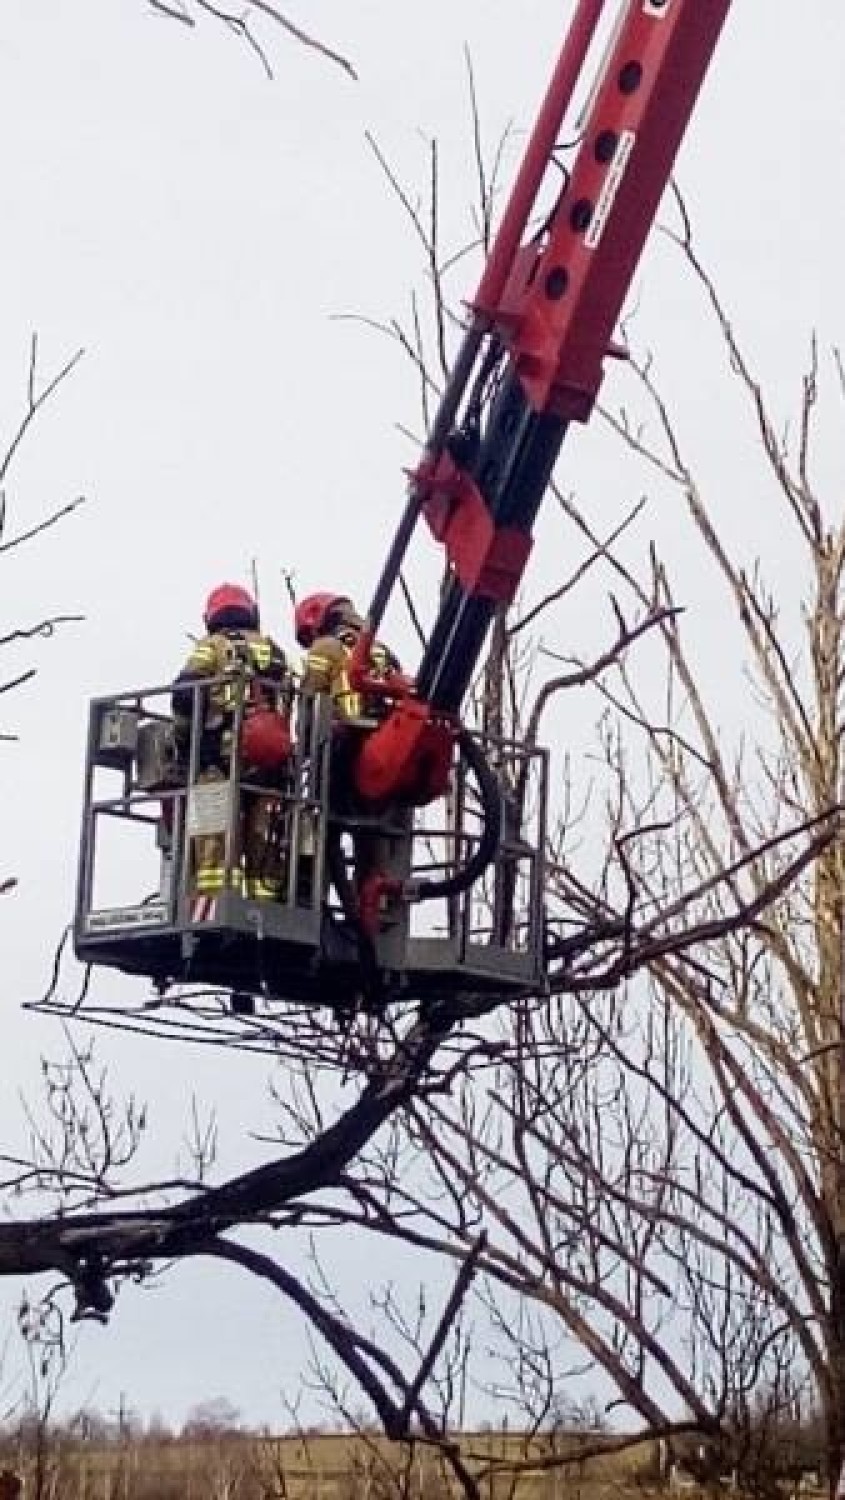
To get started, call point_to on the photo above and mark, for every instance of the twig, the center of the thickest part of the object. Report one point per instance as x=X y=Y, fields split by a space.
x=450 y=1311
x=35 y=401
x=239 y=23
x=51 y=520
x=45 y=628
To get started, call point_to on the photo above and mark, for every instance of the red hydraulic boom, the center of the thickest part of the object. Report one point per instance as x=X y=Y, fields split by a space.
x=542 y=324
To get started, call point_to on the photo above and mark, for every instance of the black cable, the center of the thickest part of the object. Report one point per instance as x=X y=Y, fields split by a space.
x=372 y=985
x=491 y=831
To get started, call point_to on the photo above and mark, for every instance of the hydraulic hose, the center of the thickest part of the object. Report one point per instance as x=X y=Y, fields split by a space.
x=367 y=957
x=427 y=890
x=491 y=830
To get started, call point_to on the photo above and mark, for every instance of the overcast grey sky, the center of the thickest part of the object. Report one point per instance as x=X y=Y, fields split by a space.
x=196 y=228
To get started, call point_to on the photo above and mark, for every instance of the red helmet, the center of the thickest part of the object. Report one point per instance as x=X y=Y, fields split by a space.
x=232 y=606
x=313 y=615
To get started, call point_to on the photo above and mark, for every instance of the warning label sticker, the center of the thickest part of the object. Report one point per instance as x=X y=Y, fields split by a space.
x=208 y=809
x=152 y=914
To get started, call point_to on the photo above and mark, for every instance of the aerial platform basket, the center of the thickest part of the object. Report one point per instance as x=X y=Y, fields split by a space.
x=139 y=911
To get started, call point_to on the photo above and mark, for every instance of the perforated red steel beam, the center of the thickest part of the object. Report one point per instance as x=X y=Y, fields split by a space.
x=541 y=145
x=561 y=306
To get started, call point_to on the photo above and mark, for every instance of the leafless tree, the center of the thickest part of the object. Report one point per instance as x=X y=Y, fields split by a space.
x=656 y=1161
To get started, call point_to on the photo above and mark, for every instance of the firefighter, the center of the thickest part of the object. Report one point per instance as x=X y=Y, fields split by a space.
x=328 y=626
x=255 y=671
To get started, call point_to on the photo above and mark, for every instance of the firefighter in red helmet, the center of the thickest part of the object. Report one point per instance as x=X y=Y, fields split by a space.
x=253 y=669
x=328 y=626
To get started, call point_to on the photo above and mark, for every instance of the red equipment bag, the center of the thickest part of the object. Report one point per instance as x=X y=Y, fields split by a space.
x=265 y=739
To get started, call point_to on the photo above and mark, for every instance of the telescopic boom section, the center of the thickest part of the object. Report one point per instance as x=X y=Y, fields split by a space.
x=550 y=304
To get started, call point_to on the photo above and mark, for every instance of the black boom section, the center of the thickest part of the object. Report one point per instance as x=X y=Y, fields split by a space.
x=511 y=469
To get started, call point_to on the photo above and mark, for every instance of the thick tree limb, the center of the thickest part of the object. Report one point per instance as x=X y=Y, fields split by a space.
x=117 y=1237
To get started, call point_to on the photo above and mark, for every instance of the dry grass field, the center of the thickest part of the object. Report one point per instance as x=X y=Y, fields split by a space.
x=234 y=1465
x=322 y=1467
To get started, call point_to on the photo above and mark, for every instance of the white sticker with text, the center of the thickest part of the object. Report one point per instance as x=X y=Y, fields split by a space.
x=612 y=183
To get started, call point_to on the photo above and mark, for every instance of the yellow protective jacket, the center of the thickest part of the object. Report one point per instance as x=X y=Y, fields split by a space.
x=326 y=671
x=238 y=655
